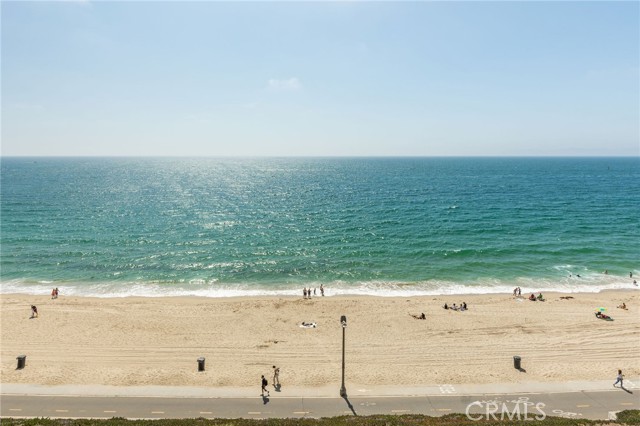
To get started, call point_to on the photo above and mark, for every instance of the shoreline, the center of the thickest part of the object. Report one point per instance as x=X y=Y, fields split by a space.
x=155 y=341
x=102 y=291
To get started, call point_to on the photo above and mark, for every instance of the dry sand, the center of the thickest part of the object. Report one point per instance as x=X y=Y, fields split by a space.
x=156 y=341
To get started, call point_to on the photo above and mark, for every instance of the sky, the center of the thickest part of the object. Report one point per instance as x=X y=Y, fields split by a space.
x=82 y=78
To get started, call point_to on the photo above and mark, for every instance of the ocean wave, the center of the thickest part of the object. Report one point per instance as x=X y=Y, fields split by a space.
x=589 y=283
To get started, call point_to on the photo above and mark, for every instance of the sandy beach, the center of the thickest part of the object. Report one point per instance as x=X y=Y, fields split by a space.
x=157 y=341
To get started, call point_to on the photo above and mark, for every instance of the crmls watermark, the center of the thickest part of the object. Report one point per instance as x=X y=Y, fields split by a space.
x=520 y=409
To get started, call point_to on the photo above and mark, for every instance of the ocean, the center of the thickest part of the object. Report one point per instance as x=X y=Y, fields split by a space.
x=115 y=227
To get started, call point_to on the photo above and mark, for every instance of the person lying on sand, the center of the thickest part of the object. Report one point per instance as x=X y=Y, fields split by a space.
x=603 y=316
x=566 y=297
x=421 y=316
x=532 y=297
x=623 y=306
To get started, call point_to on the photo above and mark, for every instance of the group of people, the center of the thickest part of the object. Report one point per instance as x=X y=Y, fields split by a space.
x=306 y=293
x=517 y=292
x=533 y=297
x=34 y=309
x=462 y=307
x=276 y=381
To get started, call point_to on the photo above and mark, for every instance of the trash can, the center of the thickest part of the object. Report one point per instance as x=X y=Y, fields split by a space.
x=200 y=364
x=22 y=359
x=516 y=362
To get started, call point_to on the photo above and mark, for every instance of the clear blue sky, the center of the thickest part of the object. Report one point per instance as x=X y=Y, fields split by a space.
x=345 y=78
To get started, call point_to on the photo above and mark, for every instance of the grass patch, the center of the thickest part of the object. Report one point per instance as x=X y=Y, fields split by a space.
x=627 y=417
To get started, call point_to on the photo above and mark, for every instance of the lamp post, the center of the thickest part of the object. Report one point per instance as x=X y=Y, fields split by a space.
x=343 y=321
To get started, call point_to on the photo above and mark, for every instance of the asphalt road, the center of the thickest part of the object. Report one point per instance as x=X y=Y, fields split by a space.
x=584 y=404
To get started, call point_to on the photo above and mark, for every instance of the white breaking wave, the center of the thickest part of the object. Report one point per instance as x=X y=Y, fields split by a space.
x=592 y=283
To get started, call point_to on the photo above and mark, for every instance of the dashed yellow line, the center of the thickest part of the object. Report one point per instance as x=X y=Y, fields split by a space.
x=62 y=411
x=626 y=403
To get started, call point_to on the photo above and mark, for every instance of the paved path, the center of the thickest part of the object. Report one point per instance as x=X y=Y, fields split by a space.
x=573 y=399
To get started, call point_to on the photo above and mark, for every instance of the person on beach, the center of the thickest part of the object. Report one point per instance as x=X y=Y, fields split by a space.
x=540 y=298
x=464 y=305
x=623 y=306
x=446 y=306
x=532 y=297
x=56 y=290
x=304 y=293
x=630 y=275
x=264 y=386
x=619 y=379
x=53 y=293
x=314 y=291
x=519 y=292
x=321 y=290
x=34 y=311
x=420 y=317
x=276 y=376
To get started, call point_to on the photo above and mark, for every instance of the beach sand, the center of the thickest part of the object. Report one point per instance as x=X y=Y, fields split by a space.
x=157 y=341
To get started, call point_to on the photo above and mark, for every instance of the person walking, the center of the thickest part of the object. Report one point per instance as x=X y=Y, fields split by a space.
x=264 y=386
x=34 y=311
x=619 y=379
x=276 y=376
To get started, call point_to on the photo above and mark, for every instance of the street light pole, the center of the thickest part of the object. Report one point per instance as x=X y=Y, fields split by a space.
x=343 y=321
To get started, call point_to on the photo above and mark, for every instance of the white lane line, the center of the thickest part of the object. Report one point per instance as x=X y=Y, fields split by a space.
x=109 y=411
x=626 y=403
x=300 y=412
x=206 y=412
x=444 y=409
x=62 y=411
x=15 y=409
x=157 y=412
x=254 y=412
x=583 y=405
x=399 y=411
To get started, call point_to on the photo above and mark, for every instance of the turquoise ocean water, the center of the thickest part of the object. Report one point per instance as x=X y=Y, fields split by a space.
x=385 y=226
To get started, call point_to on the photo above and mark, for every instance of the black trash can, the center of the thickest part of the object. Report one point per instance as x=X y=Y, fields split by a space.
x=516 y=362
x=22 y=359
x=200 y=364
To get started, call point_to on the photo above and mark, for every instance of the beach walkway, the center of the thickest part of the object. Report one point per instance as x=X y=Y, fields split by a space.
x=590 y=400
